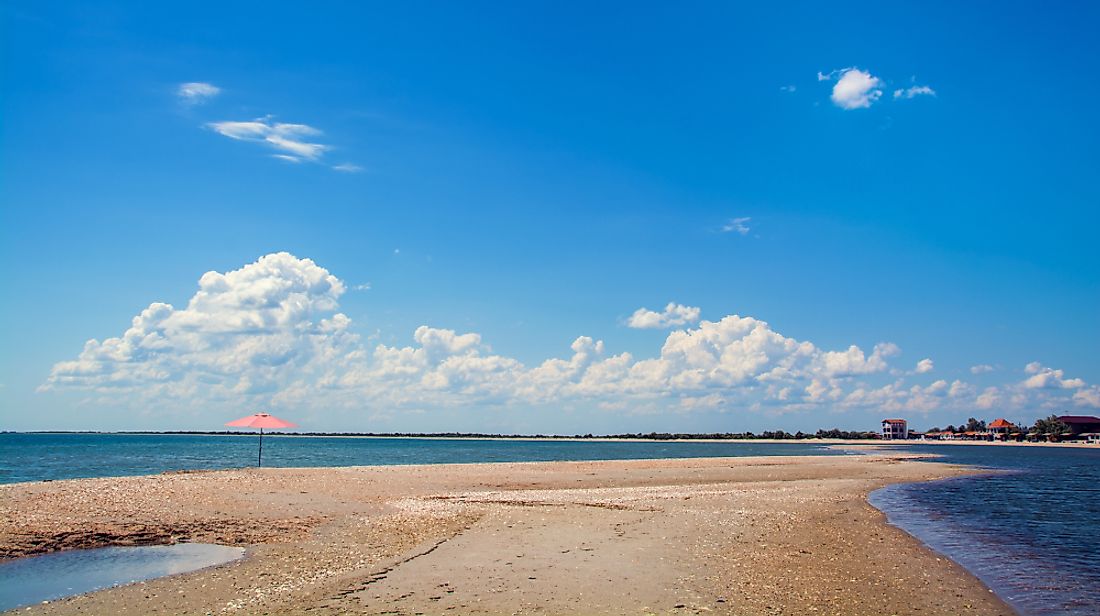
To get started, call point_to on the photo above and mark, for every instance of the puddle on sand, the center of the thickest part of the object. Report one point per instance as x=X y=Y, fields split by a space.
x=31 y=580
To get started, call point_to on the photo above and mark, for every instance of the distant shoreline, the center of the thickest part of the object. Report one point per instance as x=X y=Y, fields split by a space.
x=626 y=438
x=647 y=437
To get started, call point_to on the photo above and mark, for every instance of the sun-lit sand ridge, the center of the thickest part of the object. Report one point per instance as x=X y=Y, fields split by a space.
x=770 y=535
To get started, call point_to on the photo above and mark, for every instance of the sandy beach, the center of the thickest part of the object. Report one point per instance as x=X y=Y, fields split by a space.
x=768 y=535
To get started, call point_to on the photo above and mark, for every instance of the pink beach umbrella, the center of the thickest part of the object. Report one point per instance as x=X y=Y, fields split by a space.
x=261 y=421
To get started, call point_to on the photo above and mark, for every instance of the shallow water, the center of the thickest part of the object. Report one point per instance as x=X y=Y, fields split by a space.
x=48 y=577
x=1028 y=530
x=37 y=457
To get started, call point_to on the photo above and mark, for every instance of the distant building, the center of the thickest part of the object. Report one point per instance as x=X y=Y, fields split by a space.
x=1000 y=429
x=1080 y=424
x=895 y=429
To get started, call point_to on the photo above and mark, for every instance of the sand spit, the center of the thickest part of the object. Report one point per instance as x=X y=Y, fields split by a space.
x=775 y=535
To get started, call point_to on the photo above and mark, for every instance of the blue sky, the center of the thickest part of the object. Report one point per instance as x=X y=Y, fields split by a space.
x=918 y=178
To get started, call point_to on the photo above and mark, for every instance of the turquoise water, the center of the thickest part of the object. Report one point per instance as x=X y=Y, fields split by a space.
x=1029 y=530
x=37 y=457
x=36 y=579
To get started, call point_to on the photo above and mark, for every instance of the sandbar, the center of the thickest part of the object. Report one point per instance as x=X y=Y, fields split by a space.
x=746 y=535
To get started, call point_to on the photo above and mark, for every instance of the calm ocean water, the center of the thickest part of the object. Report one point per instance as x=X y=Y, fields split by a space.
x=34 y=457
x=1030 y=530
x=32 y=580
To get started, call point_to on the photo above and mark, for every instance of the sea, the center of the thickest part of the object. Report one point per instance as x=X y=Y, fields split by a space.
x=53 y=456
x=1029 y=527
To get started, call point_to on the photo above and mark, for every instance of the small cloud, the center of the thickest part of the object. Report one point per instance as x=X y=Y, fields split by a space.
x=855 y=88
x=913 y=92
x=925 y=365
x=981 y=369
x=1047 y=378
x=347 y=168
x=289 y=138
x=737 y=225
x=788 y=89
x=287 y=158
x=361 y=287
x=674 y=315
x=197 y=92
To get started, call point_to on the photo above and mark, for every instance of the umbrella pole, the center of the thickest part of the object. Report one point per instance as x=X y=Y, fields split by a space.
x=260 y=457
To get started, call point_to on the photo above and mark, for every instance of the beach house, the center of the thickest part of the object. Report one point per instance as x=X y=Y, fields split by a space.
x=1080 y=424
x=895 y=429
x=1000 y=429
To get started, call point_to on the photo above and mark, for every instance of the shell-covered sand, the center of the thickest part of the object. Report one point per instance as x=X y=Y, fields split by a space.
x=774 y=535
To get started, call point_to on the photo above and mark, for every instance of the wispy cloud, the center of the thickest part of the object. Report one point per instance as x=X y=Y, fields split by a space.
x=197 y=92
x=289 y=139
x=981 y=369
x=913 y=92
x=737 y=225
x=788 y=89
x=347 y=168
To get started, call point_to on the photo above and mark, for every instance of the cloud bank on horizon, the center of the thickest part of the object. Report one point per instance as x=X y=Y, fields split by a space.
x=270 y=333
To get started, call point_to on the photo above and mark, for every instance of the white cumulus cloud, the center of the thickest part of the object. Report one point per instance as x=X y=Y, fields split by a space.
x=858 y=89
x=1047 y=378
x=672 y=316
x=1089 y=397
x=855 y=89
x=266 y=327
x=925 y=365
x=981 y=369
x=271 y=334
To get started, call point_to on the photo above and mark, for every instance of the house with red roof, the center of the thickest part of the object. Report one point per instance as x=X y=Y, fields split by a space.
x=1000 y=429
x=895 y=429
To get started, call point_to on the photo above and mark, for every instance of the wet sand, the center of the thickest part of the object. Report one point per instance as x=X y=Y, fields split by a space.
x=768 y=535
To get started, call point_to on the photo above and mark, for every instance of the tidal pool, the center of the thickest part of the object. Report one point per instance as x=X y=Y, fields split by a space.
x=26 y=581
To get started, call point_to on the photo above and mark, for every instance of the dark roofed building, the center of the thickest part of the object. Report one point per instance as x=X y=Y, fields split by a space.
x=1081 y=424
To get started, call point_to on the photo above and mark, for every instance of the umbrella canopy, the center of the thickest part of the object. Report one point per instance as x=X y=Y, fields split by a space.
x=261 y=421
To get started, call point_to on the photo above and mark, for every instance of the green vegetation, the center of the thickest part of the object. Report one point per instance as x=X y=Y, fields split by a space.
x=1050 y=427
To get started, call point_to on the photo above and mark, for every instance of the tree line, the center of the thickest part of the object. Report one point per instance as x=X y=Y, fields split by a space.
x=1044 y=426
